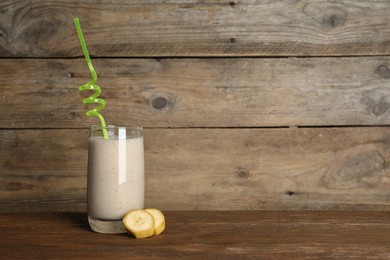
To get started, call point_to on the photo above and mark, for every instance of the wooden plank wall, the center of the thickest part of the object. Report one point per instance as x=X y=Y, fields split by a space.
x=274 y=105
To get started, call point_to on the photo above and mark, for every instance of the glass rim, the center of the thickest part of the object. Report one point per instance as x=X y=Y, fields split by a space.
x=110 y=127
x=112 y=132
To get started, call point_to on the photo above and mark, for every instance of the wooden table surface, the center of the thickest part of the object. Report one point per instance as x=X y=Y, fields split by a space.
x=203 y=234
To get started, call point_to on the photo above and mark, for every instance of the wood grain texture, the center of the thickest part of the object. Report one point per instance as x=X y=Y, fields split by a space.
x=121 y=28
x=205 y=235
x=43 y=170
x=41 y=93
x=209 y=169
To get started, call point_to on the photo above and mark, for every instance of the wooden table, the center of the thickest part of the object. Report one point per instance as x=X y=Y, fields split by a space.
x=203 y=234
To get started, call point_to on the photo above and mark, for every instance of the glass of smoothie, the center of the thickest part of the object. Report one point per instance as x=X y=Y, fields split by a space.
x=115 y=176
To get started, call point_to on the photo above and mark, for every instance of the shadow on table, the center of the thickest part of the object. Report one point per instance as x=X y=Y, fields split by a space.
x=77 y=220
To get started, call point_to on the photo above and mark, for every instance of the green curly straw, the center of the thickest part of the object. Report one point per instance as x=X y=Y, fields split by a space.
x=91 y=85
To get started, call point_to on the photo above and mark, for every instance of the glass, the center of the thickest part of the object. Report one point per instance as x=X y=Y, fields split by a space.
x=115 y=176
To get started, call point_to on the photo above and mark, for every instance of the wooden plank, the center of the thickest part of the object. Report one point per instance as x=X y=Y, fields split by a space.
x=43 y=170
x=209 y=169
x=203 y=235
x=37 y=93
x=140 y=28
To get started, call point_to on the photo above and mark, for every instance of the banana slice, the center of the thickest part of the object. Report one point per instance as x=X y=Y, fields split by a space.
x=159 y=220
x=139 y=223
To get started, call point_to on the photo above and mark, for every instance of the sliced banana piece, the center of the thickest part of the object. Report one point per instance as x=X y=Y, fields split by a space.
x=139 y=223
x=159 y=220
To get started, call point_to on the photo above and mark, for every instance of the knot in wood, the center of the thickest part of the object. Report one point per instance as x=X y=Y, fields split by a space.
x=380 y=108
x=384 y=71
x=2 y=33
x=232 y=3
x=72 y=114
x=40 y=31
x=362 y=166
x=335 y=19
x=290 y=193
x=243 y=173
x=163 y=102
x=159 y=103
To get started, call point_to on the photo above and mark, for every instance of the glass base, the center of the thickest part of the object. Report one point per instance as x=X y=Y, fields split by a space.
x=106 y=226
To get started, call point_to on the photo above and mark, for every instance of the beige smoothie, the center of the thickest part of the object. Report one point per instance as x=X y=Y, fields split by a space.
x=116 y=184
